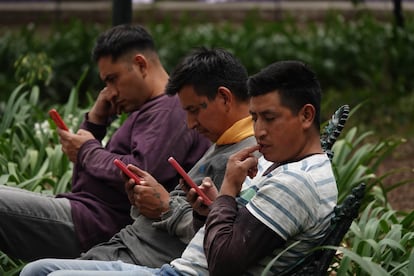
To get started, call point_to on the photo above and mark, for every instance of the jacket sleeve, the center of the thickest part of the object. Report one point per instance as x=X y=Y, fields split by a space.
x=178 y=221
x=145 y=140
x=234 y=239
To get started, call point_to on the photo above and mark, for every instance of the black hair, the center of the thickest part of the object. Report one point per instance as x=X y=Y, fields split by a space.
x=295 y=82
x=208 y=69
x=122 y=39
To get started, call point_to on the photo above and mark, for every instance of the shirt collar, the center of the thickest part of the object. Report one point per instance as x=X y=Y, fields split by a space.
x=237 y=132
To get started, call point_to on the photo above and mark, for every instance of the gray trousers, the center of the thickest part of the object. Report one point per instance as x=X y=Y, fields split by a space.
x=34 y=226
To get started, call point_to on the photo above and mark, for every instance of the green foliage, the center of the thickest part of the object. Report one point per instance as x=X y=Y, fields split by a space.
x=357 y=157
x=380 y=242
x=366 y=54
x=51 y=59
x=360 y=61
x=356 y=160
x=33 y=68
x=30 y=153
x=8 y=266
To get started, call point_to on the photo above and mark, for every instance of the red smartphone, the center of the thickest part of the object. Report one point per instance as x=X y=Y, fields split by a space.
x=189 y=181
x=124 y=168
x=57 y=119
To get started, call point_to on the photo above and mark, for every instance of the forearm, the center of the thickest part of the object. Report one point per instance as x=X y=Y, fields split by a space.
x=98 y=131
x=98 y=162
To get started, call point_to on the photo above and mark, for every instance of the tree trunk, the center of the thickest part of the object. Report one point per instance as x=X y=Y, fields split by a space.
x=121 y=12
x=398 y=14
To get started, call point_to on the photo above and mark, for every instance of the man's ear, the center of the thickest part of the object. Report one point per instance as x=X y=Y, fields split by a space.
x=142 y=63
x=307 y=114
x=225 y=95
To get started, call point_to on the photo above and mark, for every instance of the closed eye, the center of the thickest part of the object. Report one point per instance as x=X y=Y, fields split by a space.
x=193 y=110
x=110 y=79
x=269 y=118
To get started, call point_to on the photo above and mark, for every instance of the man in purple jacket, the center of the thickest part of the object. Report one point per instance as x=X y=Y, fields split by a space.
x=34 y=226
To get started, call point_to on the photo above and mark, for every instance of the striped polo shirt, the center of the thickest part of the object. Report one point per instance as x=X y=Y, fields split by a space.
x=296 y=200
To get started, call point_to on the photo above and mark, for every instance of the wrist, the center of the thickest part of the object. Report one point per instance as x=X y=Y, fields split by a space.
x=229 y=190
x=96 y=118
x=166 y=210
x=226 y=192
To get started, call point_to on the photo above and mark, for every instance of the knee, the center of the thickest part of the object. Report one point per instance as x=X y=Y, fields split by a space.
x=37 y=268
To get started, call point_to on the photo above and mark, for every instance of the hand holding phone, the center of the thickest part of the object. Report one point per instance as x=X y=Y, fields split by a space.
x=125 y=169
x=57 y=119
x=189 y=181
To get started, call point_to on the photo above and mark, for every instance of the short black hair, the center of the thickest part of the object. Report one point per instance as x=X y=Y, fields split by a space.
x=295 y=82
x=208 y=69
x=122 y=39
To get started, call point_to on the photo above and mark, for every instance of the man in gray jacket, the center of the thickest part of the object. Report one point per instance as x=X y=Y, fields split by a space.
x=211 y=86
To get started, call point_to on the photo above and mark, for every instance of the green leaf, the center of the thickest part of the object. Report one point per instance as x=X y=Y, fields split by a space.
x=364 y=263
x=411 y=264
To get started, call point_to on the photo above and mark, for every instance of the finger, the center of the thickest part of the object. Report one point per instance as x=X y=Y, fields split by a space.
x=103 y=90
x=137 y=171
x=206 y=183
x=85 y=133
x=130 y=182
x=192 y=195
x=198 y=203
x=246 y=152
x=106 y=93
x=63 y=134
x=252 y=172
x=138 y=190
x=184 y=186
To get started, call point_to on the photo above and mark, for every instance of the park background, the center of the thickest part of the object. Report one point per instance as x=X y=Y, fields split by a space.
x=362 y=52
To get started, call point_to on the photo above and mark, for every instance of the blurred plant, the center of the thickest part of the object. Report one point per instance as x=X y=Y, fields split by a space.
x=34 y=69
x=357 y=157
x=380 y=242
x=355 y=61
x=364 y=55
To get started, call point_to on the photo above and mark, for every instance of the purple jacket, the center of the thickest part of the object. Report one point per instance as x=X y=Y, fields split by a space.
x=158 y=130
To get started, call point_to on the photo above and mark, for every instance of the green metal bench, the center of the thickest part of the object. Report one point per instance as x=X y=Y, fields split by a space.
x=333 y=129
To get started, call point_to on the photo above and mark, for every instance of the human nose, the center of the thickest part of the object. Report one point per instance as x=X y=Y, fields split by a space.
x=191 y=121
x=259 y=129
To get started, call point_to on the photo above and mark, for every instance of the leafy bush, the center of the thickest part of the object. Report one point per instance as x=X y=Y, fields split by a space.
x=363 y=60
x=380 y=242
x=54 y=60
x=364 y=55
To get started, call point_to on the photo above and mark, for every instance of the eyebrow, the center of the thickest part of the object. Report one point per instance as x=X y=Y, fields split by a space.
x=202 y=105
x=264 y=112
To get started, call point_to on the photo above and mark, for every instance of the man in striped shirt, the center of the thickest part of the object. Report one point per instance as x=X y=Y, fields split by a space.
x=291 y=203
x=294 y=198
